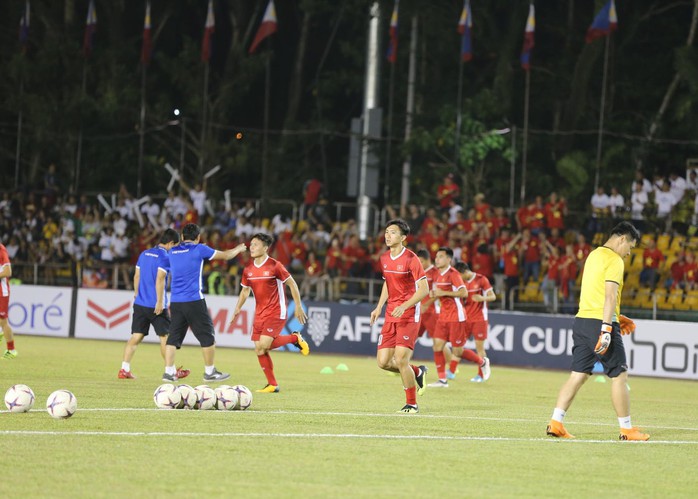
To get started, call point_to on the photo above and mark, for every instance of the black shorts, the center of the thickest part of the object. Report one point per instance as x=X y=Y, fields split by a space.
x=144 y=317
x=194 y=315
x=585 y=334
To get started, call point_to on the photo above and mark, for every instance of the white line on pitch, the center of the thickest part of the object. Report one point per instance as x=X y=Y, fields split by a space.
x=367 y=414
x=335 y=435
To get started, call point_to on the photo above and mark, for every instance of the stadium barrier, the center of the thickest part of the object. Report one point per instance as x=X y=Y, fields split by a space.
x=657 y=348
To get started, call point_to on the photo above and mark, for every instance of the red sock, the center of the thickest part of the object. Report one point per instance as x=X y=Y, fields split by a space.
x=283 y=339
x=267 y=367
x=11 y=345
x=415 y=369
x=411 y=395
x=440 y=362
x=479 y=371
x=454 y=364
x=471 y=356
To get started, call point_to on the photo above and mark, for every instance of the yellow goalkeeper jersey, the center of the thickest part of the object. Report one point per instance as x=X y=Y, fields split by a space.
x=603 y=264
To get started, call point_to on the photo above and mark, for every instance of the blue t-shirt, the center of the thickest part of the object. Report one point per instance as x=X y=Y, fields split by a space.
x=149 y=263
x=187 y=265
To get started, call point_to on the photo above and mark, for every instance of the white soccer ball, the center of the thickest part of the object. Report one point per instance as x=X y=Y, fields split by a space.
x=188 y=397
x=61 y=404
x=167 y=396
x=244 y=397
x=206 y=398
x=19 y=398
x=227 y=398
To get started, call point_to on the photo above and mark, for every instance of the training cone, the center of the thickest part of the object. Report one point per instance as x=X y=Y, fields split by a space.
x=600 y=379
x=342 y=367
x=326 y=370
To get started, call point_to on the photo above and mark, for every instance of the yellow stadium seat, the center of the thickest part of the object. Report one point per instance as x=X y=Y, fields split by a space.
x=643 y=298
x=646 y=238
x=661 y=297
x=663 y=242
x=675 y=298
x=691 y=302
x=677 y=244
x=636 y=263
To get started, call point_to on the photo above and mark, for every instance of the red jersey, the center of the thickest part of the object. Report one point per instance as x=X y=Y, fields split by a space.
x=431 y=274
x=4 y=282
x=401 y=275
x=651 y=258
x=476 y=311
x=553 y=215
x=511 y=262
x=451 y=308
x=267 y=283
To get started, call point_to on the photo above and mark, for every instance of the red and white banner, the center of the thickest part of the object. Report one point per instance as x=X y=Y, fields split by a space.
x=105 y=314
x=40 y=310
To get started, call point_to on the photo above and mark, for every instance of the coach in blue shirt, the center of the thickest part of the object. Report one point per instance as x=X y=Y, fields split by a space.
x=188 y=304
x=150 y=303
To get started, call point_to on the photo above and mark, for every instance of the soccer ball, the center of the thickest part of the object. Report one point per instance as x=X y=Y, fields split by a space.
x=206 y=398
x=188 y=397
x=227 y=398
x=61 y=404
x=167 y=396
x=244 y=397
x=19 y=398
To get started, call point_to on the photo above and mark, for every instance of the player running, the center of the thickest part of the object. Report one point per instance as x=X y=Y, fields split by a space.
x=150 y=301
x=479 y=293
x=5 y=274
x=266 y=277
x=404 y=286
x=597 y=329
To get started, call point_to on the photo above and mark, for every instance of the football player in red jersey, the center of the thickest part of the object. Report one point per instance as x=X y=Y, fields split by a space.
x=404 y=286
x=265 y=277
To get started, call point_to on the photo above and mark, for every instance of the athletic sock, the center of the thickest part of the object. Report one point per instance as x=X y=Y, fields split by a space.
x=268 y=368
x=625 y=423
x=171 y=370
x=558 y=415
x=411 y=395
x=126 y=366
x=11 y=345
x=209 y=370
x=479 y=371
x=454 y=364
x=440 y=362
x=283 y=339
x=471 y=356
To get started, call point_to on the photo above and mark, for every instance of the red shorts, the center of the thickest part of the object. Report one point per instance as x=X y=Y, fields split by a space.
x=267 y=327
x=476 y=329
x=427 y=324
x=398 y=334
x=4 y=306
x=452 y=332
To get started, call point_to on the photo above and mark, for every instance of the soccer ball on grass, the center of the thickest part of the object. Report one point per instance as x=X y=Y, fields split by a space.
x=61 y=404
x=19 y=398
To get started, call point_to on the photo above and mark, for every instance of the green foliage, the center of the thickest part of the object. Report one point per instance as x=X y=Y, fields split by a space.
x=573 y=169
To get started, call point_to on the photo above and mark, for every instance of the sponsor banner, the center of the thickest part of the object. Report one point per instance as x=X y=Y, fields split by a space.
x=106 y=314
x=40 y=310
x=660 y=349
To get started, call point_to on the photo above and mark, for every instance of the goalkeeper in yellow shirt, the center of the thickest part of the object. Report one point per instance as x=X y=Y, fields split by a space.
x=597 y=330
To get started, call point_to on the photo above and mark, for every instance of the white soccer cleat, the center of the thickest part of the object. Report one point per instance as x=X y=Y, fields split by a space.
x=486 y=371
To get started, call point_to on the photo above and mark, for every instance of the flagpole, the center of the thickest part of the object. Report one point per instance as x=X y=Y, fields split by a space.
x=204 y=114
x=141 y=133
x=388 y=150
x=79 y=153
x=458 y=113
x=18 y=151
x=409 y=112
x=602 y=113
x=265 y=137
x=524 y=152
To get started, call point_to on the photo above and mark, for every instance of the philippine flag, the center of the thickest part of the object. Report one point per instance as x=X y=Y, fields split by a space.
x=529 y=38
x=266 y=28
x=605 y=22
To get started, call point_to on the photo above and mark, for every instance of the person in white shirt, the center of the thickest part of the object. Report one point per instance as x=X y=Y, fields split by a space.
x=600 y=203
x=692 y=180
x=665 y=202
x=678 y=186
x=638 y=201
x=646 y=184
x=616 y=203
x=198 y=197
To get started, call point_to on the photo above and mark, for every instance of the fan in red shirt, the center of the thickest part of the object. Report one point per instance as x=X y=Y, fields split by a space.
x=651 y=259
x=447 y=191
x=568 y=273
x=536 y=216
x=555 y=210
x=5 y=274
x=404 y=286
x=476 y=324
x=432 y=240
x=265 y=277
x=448 y=287
x=690 y=271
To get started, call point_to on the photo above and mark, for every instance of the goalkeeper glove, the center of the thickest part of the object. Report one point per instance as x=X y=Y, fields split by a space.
x=627 y=326
x=604 y=339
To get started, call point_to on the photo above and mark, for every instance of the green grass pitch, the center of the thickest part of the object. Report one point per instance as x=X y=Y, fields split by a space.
x=332 y=435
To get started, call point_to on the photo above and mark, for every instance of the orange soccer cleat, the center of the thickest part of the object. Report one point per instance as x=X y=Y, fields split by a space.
x=633 y=434
x=557 y=429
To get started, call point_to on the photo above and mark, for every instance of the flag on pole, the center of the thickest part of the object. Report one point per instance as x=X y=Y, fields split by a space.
x=90 y=28
x=208 y=31
x=529 y=38
x=465 y=26
x=147 y=48
x=392 y=45
x=268 y=26
x=24 y=29
x=605 y=22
